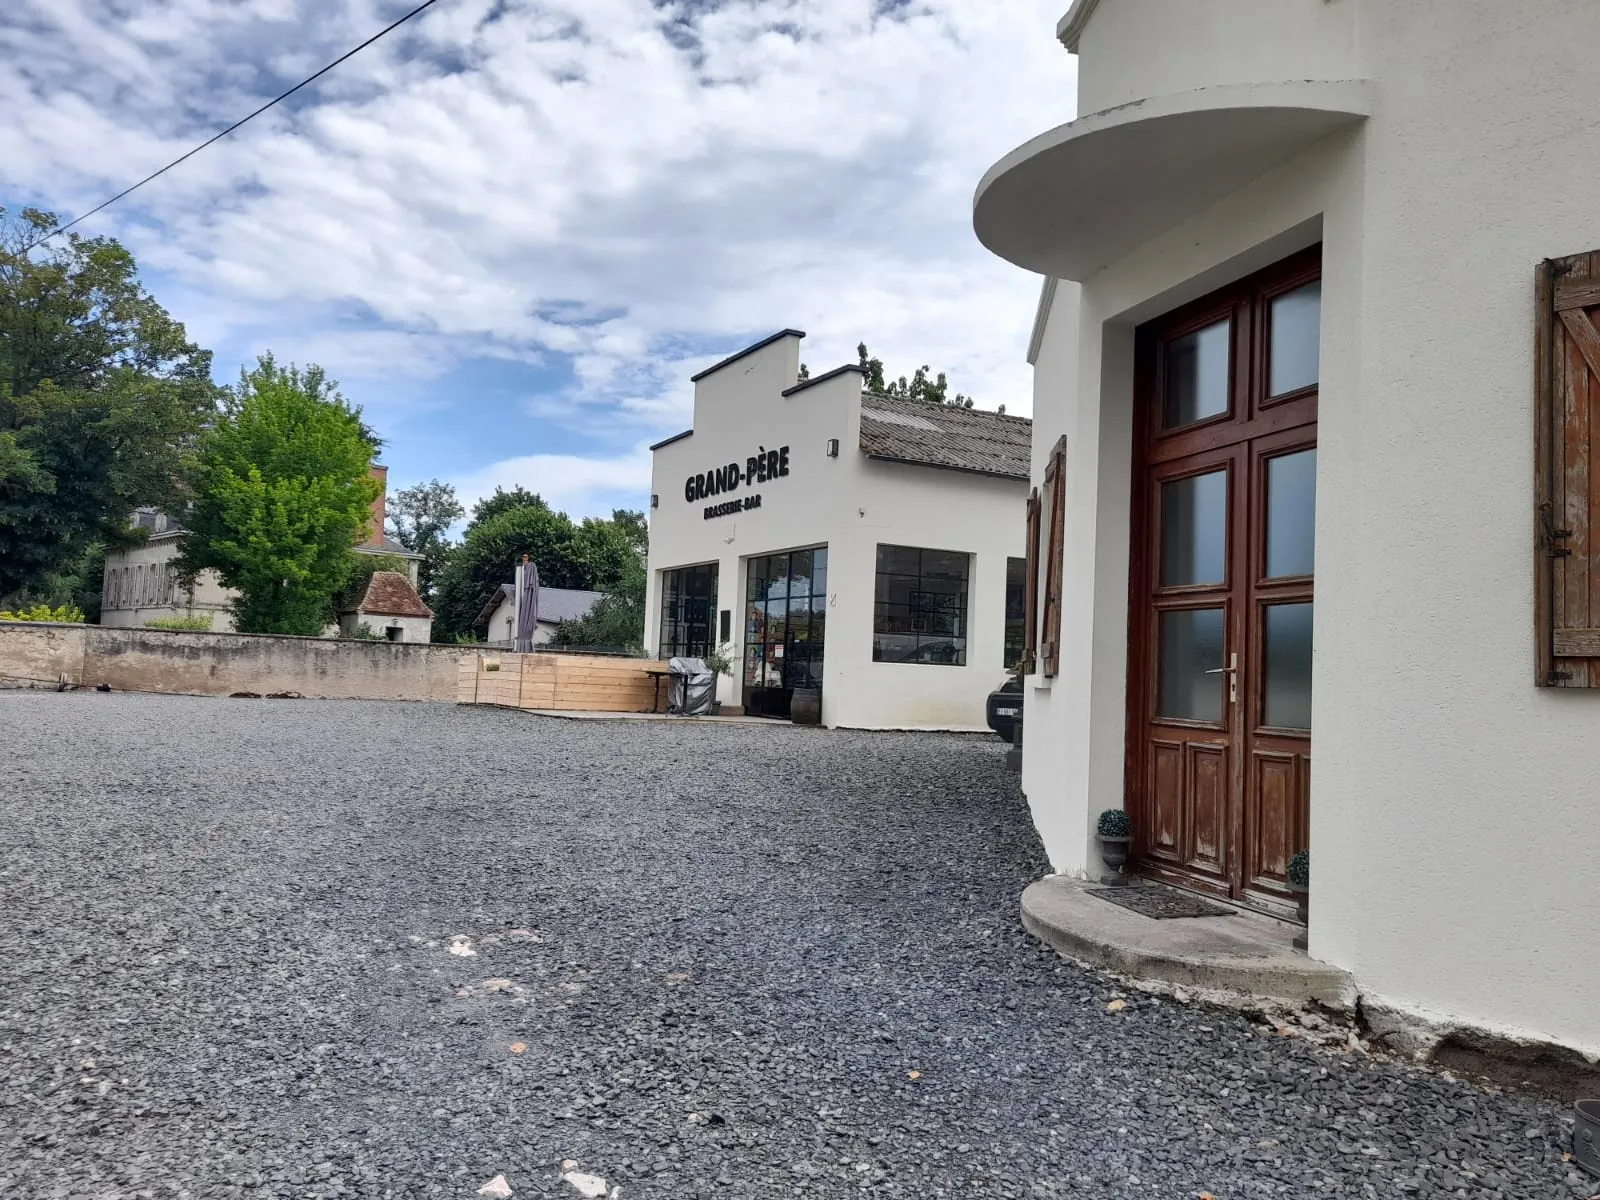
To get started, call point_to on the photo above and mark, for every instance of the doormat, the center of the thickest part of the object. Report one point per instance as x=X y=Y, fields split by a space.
x=1160 y=903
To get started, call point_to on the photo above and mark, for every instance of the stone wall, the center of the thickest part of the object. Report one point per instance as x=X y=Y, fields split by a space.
x=224 y=664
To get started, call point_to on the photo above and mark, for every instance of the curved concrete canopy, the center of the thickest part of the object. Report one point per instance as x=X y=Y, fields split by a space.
x=1078 y=198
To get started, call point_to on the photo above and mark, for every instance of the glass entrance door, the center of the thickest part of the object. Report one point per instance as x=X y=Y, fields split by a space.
x=786 y=610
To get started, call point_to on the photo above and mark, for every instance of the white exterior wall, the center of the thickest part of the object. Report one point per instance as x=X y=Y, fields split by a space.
x=849 y=504
x=503 y=625
x=138 y=586
x=1188 y=44
x=412 y=629
x=1453 y=822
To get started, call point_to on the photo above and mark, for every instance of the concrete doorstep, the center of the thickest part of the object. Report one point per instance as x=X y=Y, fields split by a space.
x=1243 y=953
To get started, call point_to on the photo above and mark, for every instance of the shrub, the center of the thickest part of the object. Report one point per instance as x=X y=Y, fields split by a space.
x=1114 y=823
x=363 y=633
x=196 y=624
x=1299 y=870
x=719 y=659
x=67 y=614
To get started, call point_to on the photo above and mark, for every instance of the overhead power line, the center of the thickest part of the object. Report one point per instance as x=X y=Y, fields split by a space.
x=309 y=79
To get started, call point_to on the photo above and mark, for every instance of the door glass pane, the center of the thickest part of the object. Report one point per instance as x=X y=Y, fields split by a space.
x=1287 y=703
x=1291 y=514
x=1194 y=530
x=1197 y=376
x=1191 y=645
x=1296 y=340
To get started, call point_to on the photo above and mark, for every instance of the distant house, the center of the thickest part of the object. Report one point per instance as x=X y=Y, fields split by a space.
x=391 y=608
x=140 y=583
x=499 y=615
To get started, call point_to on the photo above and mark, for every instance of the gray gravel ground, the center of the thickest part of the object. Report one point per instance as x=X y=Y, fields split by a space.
x=737 y=962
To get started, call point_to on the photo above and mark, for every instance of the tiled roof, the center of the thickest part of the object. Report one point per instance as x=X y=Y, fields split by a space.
x=942 y=435
x=566 y=604
x=390 y=594
x=390 y=546
x=555 y=604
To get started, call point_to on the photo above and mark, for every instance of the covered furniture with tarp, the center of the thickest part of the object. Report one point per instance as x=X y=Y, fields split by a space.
x=692 y=688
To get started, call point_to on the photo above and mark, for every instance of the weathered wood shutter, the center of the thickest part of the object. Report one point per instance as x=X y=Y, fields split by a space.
x=1055 y=490
x=1567 y=472
x=1030 y=590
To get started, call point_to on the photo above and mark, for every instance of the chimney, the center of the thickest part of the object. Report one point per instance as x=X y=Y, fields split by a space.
x=380 y=505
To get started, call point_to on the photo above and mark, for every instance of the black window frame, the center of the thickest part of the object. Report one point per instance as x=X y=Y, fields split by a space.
x=688 y=607
x=1016 y=612
x=934 y=613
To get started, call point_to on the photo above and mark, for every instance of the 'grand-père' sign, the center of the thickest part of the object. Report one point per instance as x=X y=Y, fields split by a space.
x=758 y=468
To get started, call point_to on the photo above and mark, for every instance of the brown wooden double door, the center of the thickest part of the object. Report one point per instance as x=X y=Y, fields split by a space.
x=1219 y=730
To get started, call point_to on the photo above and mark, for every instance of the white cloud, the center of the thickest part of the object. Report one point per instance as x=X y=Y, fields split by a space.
x=616 y=180
x=578 y=485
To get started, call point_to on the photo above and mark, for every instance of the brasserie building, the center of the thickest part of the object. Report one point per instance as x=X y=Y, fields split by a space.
x=827 y=538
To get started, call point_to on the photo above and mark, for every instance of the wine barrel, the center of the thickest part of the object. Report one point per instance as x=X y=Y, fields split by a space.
x=805 y=707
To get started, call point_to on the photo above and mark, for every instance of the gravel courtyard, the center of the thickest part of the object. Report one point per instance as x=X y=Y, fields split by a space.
x=316 y=949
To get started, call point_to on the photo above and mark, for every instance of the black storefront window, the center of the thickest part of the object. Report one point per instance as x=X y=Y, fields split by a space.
x=920 y=613
x=1016 y=611
x=688 y=607
x=786 y=614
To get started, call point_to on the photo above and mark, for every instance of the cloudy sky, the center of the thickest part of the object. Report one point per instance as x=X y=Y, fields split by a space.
x=514 y=228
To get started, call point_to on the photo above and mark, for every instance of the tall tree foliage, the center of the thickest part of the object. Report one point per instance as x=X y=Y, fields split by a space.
x=101 y=394
x=603 y=555
x=419 y=519
x=935 y=390
x=617 y=621
x=282 y=491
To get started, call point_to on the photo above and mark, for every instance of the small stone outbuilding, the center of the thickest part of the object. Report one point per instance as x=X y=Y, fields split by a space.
x=392 y=608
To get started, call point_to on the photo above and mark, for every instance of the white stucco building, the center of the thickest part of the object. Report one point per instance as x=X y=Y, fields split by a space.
x=834 y=539
x=140 y=583
x=1304 y=353
x=498 y=619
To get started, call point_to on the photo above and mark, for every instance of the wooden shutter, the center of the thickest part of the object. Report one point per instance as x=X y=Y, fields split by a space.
x=1055 y=491
x=1030 y=590
x=1567 y=472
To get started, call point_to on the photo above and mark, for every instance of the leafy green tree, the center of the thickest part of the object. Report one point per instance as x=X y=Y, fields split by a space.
x=419 y=519
x=282 y=490
x=919 y=387
x=504 y=501
x=101 y=396
x=602 y=555
x=488 y=555
x=617 y=620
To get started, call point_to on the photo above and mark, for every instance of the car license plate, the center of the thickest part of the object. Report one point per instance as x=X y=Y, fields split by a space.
x=1005 y=712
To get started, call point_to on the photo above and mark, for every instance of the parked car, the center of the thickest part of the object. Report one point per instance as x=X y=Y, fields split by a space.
x=1004 y=707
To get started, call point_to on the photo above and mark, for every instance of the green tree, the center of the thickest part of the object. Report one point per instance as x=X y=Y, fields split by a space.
x=419 y=519
x=617 y=620
x=602 y=555
x=101 y=396
x=282 y=490
x=504 y=501
x=934 y=390
x=488 y=555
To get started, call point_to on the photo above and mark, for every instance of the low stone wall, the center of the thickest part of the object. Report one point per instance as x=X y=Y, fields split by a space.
x=224 y=664
x=556 y=682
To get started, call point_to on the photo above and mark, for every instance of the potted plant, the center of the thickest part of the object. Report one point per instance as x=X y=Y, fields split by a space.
x=1298 y=873
x=1115 y=831
x=719 y=661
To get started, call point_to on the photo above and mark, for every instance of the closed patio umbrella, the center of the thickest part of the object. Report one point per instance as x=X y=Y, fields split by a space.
x=527 y=605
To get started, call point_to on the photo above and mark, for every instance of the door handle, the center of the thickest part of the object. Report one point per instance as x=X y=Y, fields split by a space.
x=1232 y=672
